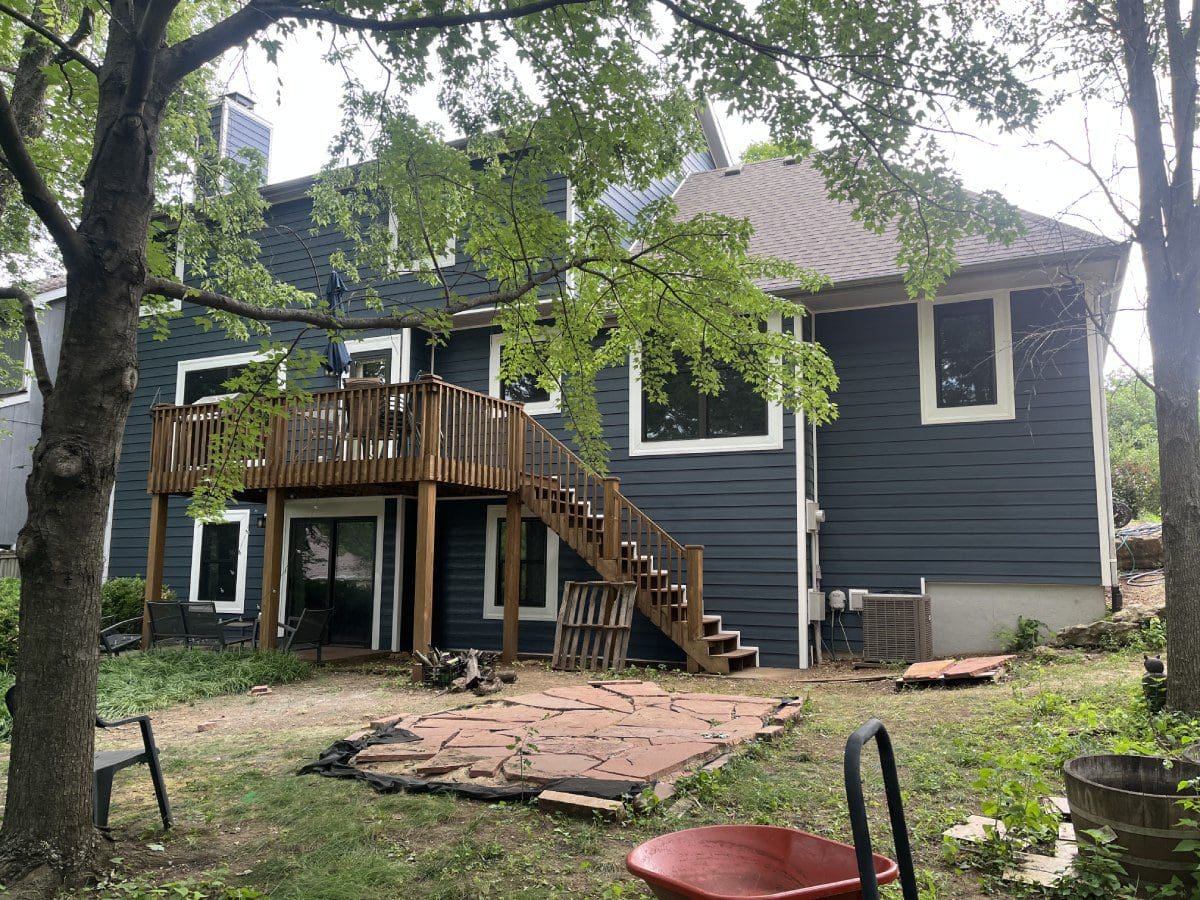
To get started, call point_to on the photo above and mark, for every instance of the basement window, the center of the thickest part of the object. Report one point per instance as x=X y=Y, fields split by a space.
x=539 y=567
x=965 y=352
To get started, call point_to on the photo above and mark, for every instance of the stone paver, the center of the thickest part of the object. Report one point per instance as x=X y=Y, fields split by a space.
x=593 y=696
x=615 y=730
x=646 y=765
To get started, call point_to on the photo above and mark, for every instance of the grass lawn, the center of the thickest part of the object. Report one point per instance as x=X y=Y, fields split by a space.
x=246 y=820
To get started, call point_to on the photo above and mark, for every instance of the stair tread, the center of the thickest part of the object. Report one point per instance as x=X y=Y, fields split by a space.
x=721 y=636
x=739 y=653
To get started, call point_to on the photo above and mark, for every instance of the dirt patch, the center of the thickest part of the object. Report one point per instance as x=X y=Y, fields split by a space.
x=337 y=697
x=1146 y=591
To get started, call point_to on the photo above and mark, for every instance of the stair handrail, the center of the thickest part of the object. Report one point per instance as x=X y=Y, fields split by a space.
x=626 y=525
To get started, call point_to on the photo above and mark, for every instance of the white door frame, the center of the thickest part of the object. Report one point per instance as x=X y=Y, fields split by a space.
x=335 y=508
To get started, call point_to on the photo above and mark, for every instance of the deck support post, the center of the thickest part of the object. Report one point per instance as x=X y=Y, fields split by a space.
x=423 y=572
x=611 y=535
x=512 y=577
x=695 y=591
x=155 y=554
x=268 y=614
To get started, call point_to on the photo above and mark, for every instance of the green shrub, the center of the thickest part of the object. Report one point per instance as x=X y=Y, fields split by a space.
x=10 y=601
x=122 y=598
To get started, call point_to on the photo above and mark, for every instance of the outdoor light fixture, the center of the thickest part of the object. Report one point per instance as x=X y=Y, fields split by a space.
x=262 y=520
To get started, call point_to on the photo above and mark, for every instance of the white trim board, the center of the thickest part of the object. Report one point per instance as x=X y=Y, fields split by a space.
x=1005 y=407
x=546 y=407
x=798 y=422
x=335 y=508
x=398 y=570
x=241 y=518
x=490 y=556
x=772 y=440
x=202 y=363
x=1100 y=448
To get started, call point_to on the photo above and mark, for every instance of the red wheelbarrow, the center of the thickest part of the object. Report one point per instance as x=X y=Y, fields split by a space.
x=760 y=862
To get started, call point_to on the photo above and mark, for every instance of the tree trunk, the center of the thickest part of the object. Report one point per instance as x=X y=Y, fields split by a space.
x=48 y=813
x=1175 y=339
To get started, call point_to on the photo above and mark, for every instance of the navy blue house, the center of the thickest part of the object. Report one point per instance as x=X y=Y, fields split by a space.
x=968 y=461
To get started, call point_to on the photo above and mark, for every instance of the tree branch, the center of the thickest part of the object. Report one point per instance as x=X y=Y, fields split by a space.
x=83 y=31
x=33 y=187
x=65 y=47
x=173 y=290
x=189 y=55
x=33 y=334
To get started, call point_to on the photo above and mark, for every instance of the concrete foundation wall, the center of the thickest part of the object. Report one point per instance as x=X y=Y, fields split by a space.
x=966 y=617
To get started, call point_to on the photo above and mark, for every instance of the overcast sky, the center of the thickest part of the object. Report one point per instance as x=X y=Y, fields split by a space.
x=300 y=98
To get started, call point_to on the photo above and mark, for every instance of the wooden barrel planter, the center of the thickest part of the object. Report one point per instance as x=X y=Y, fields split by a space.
x=1137 y=797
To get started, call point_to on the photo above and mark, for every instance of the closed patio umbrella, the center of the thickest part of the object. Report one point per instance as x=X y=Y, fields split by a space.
x=337 y=357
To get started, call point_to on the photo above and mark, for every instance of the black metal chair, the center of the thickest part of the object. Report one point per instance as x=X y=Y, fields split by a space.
x=307 y=631
x=167 y=624
x=106 y=763
x=121 y=636
x=205 y=627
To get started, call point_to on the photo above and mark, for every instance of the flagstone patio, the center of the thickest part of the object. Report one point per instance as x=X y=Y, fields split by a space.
x=615 y=730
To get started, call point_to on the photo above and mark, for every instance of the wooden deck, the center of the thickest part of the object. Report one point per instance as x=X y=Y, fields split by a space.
x=429 y=436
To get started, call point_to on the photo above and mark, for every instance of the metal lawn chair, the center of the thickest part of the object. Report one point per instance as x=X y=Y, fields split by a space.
x=306 y=631
x=205 y=627
x=167 y=624
x=121 y=636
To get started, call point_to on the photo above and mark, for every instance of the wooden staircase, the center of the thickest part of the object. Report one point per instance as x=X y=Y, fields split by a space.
x=622 y=543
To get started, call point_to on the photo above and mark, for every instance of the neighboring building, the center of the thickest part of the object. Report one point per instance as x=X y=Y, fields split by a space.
x=965 y=458
x=21 y=409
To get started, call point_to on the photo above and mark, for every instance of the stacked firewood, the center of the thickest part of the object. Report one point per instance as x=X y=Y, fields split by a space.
x=466 y=670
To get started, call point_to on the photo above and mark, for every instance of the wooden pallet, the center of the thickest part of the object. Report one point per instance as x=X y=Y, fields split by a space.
x=594 y=620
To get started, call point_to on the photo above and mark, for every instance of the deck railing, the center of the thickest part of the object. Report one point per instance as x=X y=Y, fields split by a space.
x=357 y=436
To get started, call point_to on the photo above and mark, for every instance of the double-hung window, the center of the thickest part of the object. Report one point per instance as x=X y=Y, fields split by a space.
x=966 y=359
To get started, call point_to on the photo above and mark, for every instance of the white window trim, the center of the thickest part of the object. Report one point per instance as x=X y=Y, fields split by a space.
x=491 y=554
x=543 y=408
x=336 y=508
x=22 y=396
x=444 y=260
x=392 y=342
x=638 y=446
x=184 y=366
x=240 y=517
x=1004 y=409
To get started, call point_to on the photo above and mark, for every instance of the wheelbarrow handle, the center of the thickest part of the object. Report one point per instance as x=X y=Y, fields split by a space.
x=858 y=811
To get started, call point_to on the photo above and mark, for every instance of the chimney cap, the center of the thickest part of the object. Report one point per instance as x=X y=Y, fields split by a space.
x=239 y=99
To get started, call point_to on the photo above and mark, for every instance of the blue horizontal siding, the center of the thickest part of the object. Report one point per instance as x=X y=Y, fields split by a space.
x=740 y=506
x=975 y=502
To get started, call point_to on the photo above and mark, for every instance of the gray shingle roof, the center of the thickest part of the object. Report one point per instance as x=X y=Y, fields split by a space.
x=795 y=220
